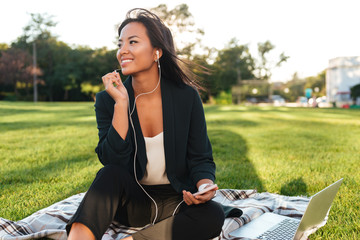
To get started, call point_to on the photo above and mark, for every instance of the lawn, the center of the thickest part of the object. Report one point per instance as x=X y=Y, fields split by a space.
x=47 y=154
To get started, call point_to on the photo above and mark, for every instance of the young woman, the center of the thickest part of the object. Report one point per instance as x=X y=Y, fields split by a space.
x=153 y=144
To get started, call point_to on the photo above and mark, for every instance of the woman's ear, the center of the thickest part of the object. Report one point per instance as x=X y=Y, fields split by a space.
x=158 y=54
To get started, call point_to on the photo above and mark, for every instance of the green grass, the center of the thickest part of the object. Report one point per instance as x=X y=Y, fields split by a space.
x=47 y=154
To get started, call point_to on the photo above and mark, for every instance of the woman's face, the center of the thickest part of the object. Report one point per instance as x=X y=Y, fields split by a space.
x=135 y=53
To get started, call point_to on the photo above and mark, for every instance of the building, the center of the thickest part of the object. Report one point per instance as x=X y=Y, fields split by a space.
x=342 y=74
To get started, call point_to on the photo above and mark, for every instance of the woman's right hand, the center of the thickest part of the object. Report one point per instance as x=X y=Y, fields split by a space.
x=118 y=92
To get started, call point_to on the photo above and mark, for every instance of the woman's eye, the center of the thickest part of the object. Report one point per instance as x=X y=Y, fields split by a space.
x=119 y=45
x=132 y=42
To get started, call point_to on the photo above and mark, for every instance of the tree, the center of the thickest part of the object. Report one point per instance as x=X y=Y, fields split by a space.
x=233 y=63
x=264 y=66
x=296 y=88
x=94 y=65
x=205 y=74
x=15 y=68
x=317 y=83
x=38 y=32
x=3 y=47
x=182 y=25
x=39 y=26
x=355 y=92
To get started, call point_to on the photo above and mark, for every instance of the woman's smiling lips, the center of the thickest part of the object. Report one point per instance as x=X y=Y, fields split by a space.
x=125 y=61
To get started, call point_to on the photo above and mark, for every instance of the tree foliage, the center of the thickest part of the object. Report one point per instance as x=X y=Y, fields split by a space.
x=178 y=19
x=15 y=68
x=355 y=92
x=3 y=47
x=296 y=88
x=264 y=66
x=67 y=72
x=317 y=84
x=74 y=73
x=233 y=63
x=181 y=23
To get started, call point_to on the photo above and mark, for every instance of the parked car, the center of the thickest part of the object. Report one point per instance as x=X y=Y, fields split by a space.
x=277 y=100
x=302 y=101
x=322 y=103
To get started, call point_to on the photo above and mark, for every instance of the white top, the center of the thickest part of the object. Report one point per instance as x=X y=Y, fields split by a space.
x=155 y=168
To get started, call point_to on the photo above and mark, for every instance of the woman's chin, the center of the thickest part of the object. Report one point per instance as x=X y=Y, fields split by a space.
x=126 y=72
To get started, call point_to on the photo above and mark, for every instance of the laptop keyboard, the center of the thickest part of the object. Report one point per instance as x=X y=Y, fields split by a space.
x=284 y=230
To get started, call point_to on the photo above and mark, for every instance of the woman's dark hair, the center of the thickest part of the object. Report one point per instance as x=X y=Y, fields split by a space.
x=160 y=37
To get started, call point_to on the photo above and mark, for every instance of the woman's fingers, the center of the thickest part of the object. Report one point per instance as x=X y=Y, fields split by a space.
x=107 y=79
x=114 y=86
x=111 y=78
x=206 y=196
x=189 y=199
x=118 y=80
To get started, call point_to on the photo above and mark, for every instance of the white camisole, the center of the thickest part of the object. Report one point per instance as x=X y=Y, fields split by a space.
x=155 y=168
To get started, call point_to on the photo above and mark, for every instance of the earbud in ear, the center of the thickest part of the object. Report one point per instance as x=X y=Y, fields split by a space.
x=158 y=58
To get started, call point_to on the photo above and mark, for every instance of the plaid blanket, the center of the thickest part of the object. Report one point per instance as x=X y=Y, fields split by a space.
x=50 y=222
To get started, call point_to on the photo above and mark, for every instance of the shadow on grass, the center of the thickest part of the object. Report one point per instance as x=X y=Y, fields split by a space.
x=234 y=168
x=41 y=171
x=294 y=187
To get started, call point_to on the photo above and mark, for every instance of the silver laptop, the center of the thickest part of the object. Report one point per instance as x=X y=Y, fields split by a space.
x=274 y=226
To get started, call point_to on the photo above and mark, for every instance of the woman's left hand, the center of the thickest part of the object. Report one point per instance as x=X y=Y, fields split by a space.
x=189 y=199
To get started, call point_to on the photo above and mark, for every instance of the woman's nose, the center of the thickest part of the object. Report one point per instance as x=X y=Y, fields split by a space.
x=124 y=49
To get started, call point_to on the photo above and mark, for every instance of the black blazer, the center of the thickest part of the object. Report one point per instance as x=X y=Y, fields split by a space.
x=188 y=152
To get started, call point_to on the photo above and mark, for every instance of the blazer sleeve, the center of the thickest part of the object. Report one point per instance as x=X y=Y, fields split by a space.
x=199 y=151
x=111 y=148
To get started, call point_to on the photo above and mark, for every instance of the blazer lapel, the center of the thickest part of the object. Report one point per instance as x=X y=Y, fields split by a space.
x=141 y=149
x=169 y=127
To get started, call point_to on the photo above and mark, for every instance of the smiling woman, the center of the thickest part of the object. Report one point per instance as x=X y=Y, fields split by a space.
x=153 y=144
x=135 y=52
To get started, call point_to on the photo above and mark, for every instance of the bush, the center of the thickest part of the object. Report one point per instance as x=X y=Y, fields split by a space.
x=223 y=98
x=355 y=92
x=8 y=96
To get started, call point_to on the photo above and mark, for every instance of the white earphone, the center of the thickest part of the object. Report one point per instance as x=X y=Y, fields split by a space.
x=131 y=111
x=158 y=58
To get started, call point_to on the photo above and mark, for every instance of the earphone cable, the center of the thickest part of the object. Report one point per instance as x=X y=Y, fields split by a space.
x=135 y=153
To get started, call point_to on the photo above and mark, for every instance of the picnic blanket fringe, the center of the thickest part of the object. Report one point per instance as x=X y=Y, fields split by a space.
x=50 y=222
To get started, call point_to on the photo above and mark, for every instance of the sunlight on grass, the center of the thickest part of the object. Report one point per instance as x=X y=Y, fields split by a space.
x=47 y=154
x=291 y=151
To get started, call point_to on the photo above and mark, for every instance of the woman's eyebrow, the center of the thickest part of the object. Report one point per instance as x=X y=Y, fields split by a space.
x=133 y=36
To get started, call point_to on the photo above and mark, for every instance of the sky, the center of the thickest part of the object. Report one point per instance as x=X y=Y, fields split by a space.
x=310 y=32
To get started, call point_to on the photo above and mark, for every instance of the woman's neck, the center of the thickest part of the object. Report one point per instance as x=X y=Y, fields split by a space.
x=143 y=83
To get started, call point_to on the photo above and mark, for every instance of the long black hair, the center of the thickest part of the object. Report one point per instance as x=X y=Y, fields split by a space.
x=172 y=67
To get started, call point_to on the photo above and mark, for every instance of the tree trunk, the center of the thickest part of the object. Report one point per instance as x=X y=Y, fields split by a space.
x=66 y=95
x=15 y=89
x=27 y=90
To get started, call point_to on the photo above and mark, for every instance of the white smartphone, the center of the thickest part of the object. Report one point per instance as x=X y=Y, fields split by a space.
x=205 y=190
